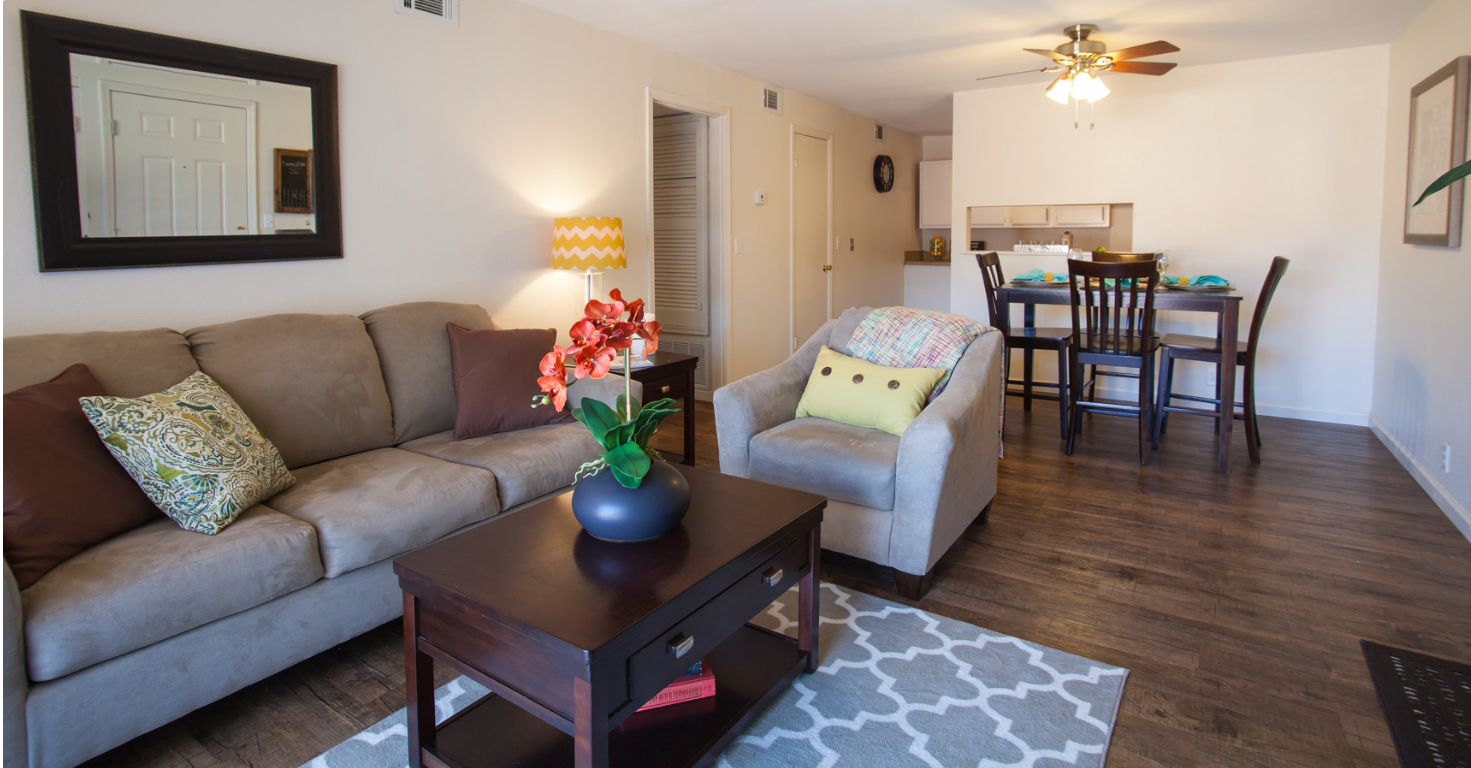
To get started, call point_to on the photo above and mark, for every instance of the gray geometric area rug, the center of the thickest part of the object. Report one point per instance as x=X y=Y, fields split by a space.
x=897 y=687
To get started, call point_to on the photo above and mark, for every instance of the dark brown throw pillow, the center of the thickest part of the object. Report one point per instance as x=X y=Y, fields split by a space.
x=63 y=491
x=495 y=375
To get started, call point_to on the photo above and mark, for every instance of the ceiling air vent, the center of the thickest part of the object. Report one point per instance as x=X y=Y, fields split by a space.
x=771 y=98
x=878 y=131
x=445 y=11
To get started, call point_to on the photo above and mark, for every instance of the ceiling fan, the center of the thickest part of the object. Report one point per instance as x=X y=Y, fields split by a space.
x=1081 y=60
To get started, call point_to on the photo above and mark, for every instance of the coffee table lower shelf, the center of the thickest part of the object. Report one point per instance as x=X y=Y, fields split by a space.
x=752 y=668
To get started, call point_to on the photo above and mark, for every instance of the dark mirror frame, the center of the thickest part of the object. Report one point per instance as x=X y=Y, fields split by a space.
x=49 y=40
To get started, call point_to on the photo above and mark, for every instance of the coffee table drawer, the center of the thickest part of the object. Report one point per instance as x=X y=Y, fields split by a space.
x=653 y=666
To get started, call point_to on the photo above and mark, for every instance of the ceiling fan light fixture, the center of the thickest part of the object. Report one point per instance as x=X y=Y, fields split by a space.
x=1060 y=89
x=1096 y=90
x=1082 y=82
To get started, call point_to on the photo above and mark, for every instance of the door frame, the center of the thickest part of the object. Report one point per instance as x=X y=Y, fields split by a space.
x=109 y=87
x=826 y=137
x=719 y=219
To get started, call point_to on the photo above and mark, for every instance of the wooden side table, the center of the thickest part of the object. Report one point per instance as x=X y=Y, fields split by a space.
x=572 y=634
x=673 y=375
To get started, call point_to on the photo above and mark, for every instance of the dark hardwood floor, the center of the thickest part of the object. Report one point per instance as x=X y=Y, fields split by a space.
x=1237 y=601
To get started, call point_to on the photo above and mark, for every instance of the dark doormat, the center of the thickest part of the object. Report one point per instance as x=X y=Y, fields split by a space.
x=1427 y=702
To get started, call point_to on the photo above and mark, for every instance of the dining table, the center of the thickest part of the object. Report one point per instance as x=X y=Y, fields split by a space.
x=1226 y=305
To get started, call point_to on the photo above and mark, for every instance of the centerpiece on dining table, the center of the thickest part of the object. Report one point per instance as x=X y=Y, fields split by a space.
x=628 y=493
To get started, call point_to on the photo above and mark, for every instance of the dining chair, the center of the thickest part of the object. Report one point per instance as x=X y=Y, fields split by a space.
x=1113 y=324
x=1113 y=257
x=1179 y=346
x=1028 y=340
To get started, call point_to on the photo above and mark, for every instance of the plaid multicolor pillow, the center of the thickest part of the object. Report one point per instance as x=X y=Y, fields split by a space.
x=192 y=451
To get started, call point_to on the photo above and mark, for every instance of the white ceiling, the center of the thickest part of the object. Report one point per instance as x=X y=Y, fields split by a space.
x=898 y=61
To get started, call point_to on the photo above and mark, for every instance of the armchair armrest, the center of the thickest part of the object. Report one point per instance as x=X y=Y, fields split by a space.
x=948 y=460
x=17 y=684
x=750 y=406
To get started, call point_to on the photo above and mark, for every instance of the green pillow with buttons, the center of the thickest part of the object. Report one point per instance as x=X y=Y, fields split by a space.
x=853 y=391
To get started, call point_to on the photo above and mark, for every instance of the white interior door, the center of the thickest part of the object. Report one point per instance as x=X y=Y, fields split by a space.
x=180 y=167
x=681 y=234
x=811 y=269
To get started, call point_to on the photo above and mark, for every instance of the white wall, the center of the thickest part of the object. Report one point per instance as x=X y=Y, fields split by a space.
x=1423 y=359
x=1227 y=166
x=938 y=147
x=459 y=146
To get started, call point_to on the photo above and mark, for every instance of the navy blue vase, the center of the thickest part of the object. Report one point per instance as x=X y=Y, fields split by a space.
x=611 y=512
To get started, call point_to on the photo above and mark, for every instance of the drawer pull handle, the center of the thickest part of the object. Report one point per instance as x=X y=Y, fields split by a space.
x=681 y=647
x=772 y=577
x=664 y=390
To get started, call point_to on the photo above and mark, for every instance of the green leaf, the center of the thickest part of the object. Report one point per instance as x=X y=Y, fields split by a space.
x=623 y=408
x=628 y=460
x=1448 y=178
x=600 y=420
x=649 y=419
x=624 y=479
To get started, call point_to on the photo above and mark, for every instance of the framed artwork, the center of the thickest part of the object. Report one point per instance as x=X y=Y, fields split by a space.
x=293 y=181
x=1437 y=144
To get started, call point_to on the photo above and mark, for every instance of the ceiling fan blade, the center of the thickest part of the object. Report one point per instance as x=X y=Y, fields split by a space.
x=1143 y=67
x=1054 y=55
x=1023 y=72
x=1139 y=51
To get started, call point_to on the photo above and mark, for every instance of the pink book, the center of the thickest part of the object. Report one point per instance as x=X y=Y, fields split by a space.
x=684 y=688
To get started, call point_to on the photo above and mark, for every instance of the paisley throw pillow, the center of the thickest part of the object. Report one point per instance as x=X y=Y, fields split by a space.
x=192 y=450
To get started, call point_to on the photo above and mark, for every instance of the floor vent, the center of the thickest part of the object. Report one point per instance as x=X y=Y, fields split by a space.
x=690 y=345
x=878 y=131
x=444 y=11
x=771 y=99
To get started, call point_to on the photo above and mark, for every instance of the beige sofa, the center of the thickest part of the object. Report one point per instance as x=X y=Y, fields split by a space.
x=151 y=624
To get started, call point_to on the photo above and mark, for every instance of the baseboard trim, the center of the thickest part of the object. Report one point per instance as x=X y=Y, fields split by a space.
x=1459 y=515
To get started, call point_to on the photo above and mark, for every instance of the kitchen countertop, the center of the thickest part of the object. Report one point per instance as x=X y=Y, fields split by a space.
x=923 y=258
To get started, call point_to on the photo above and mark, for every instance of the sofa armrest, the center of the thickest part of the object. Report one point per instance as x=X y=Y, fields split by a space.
x=606 y=389
x=750 y=406
x=947 y=460
x=17 y=684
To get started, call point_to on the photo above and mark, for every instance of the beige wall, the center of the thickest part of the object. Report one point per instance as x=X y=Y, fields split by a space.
x=1423 y=359
x=459 y=146
x=1227 y=166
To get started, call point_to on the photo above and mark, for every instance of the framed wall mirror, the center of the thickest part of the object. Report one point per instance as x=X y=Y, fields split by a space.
x=155 y=151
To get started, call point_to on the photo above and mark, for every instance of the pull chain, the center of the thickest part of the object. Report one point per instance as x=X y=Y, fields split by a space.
x=1090 y=115
x=1075 y=114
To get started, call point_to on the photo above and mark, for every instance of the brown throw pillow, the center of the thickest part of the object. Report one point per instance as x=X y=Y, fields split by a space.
x=63 y=491
x=495 y=375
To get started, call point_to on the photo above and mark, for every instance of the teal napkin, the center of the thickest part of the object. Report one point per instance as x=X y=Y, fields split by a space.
x=1028 y=277
x=1208 y=280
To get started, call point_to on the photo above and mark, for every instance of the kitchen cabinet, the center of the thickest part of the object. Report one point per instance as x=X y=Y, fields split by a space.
x=934 y=194
x=1039 y=217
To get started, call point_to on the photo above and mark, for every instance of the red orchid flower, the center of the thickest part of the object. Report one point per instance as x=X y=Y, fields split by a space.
x=650 y=333
x=597 y=311
x=595 y=363
x=553 y=381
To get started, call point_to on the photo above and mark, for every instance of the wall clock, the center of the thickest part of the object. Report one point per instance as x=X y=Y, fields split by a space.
x=883 y=173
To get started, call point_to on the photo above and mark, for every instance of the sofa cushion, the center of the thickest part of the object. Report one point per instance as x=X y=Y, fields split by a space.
x=496 y=374
x=126 y=363
x=414 y=353
x=192 y=450
x=311 y=383
x=158 y=580
x=377 y=504
x=527 y=463
x=840 y=461
x=63 y=491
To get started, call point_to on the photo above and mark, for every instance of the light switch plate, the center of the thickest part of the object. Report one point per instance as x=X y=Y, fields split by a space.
x=761 y=198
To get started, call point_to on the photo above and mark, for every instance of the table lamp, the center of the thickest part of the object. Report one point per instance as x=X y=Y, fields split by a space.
x=590 y=245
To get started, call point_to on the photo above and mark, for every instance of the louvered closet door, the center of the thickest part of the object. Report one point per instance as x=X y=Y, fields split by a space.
x=681 y=246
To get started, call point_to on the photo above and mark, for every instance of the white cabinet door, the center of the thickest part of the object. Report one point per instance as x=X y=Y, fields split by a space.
x=1080 y=215
x=1031 y=216
x=934 y=194
x=990 y=218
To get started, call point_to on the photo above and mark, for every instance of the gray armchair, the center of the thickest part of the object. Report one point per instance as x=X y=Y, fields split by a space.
x=899 y=501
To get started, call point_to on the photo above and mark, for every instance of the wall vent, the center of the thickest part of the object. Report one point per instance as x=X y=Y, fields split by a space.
x=691 y=345
x=878 y=131
x=444 y=11
x=771 y=98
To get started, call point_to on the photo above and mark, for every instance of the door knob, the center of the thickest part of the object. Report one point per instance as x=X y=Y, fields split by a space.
x=827 y=267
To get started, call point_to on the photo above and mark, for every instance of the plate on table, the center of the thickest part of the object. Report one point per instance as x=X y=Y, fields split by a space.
x=1038 y=283
x=1201 y=288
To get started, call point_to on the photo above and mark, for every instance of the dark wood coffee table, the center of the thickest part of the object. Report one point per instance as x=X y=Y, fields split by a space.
x=572 y=634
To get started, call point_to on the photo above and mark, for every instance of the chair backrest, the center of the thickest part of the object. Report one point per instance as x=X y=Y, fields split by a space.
x=1116 y=257
x=1114 y=315
x=1269 y=287
x=991 y=273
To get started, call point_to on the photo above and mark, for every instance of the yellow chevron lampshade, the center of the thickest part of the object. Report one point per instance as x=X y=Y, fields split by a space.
x=590 y=244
